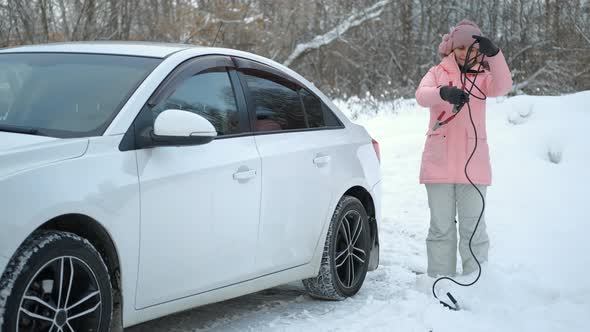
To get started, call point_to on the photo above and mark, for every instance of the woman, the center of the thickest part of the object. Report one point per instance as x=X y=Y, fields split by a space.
x=450 y=143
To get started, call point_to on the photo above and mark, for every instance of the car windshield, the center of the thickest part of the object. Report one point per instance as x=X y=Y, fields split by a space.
x=65 y=94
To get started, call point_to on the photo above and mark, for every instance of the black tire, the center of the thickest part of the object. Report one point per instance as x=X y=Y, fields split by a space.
x=31 y=285
x=332 y=283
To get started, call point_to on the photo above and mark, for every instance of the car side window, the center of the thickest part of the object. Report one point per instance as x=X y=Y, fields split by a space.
x=318 y=114
x=313 y=109
x=208 y=94
x=330 y=119
x=275 y=100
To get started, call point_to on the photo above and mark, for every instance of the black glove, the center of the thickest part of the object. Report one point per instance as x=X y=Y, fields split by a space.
x=486 y=46
x=454 y=95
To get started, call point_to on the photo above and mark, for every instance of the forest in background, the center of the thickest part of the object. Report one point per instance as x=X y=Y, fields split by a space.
x=345 y=47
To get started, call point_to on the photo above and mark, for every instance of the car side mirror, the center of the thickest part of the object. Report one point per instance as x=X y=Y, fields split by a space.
x=177 y=127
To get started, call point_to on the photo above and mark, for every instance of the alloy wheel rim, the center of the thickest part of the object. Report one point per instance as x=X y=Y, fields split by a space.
x=62 y=296
x=350 y=255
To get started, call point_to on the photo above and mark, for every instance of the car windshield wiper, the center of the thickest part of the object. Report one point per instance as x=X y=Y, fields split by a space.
x=19 y=129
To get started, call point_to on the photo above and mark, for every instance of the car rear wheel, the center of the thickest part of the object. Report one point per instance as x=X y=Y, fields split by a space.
x=57 y=281
x=346 y=253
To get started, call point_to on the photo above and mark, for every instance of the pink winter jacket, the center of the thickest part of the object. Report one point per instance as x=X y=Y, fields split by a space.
x=447 y=148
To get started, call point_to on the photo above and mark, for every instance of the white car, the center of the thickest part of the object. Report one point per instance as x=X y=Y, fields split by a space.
x=156 y=177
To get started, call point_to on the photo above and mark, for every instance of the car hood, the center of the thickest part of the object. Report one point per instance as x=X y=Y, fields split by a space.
x=20 y=152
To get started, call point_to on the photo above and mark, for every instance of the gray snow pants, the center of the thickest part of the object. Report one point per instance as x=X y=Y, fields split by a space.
x=445 y=201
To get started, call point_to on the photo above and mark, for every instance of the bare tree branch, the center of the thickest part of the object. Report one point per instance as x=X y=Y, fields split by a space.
x=352 y=21
x=526 y=48
x=582 y=33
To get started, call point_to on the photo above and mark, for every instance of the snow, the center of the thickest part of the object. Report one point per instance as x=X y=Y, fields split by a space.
x=251 y=19
x=356 y=19
x=536 y=279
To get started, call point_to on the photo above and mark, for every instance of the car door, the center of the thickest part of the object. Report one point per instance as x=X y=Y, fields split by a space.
x=199 y=204
x=297 y=163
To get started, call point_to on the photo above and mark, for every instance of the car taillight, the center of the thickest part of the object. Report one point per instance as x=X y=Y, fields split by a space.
x=376 y=147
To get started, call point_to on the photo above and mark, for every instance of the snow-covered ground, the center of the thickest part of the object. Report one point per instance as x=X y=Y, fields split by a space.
x=538 y=277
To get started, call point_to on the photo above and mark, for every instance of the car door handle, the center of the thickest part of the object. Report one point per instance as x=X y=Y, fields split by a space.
x=322 y=160
x=245 y=175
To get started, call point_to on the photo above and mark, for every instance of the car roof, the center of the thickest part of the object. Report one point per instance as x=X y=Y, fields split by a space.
x=147 y=49
x=163 y=50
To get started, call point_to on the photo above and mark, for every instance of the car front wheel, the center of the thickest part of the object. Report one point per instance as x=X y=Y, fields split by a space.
x=57 y=281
